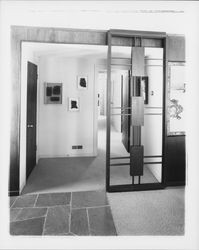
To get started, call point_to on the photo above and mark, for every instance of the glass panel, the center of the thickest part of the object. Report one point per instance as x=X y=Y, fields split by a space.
x=152 y=174
x=120 y=66
x=151 y=88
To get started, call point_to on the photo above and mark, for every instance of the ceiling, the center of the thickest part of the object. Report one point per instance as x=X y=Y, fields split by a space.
x=81 y=50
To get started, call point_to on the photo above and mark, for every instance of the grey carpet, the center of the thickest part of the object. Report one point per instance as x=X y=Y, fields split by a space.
x=82 y=173
x=158 y=212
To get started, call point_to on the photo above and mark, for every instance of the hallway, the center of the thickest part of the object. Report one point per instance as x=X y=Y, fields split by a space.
x=82 y=173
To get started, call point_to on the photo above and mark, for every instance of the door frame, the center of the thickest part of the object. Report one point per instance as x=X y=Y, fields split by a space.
x=21 y=34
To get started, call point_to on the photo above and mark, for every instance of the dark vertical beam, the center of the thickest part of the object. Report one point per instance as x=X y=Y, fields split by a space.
x=122 y=116
x=136 y=150
x=108 y=113
x=175 y=171
x=164 y=110
x=14 y=177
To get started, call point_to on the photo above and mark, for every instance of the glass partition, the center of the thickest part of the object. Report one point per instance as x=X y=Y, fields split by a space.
x=135 y=124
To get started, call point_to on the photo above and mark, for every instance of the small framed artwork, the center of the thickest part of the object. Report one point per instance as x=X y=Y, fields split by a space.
x=82 y=82
x=52 y=93
x=176 y=99
x=73 y=104
x=145 y=88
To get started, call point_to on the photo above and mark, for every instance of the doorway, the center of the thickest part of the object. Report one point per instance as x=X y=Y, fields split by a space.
x=153 y=39
x=120 y=120
x=67 y=157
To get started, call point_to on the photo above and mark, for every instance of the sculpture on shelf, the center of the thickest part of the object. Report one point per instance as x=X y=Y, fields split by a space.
x=175 y=109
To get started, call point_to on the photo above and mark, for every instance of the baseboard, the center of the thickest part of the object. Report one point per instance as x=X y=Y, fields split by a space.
x=66 y=156
x=13 y=193
x=175 y=183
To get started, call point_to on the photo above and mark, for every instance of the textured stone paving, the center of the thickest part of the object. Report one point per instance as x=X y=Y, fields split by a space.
x=67 y=214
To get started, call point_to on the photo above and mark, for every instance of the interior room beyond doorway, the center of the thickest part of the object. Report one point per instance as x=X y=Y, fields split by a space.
x=60 y=165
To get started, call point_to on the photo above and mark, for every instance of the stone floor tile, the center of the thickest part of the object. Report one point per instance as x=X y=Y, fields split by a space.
x=12 y=200
x=27 y=227
x=13 y=213
x=79 y=222
x=29 y=213
x=101 y=221
x=89 y=199
x=57 y=220
x=25 y=201
x=53 y=199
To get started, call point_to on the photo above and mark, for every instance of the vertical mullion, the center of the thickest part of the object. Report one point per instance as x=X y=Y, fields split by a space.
x=165 y=98
x=108 y=102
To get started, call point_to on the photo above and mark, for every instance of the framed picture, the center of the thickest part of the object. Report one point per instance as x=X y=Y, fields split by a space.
x=82 y=82
x=73 y=104
x=52 y=93
x=145 y=88
x=176 y=99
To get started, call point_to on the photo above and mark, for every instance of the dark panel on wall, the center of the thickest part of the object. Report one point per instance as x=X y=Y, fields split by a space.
x=14 y=173
x=126 y=119
x=15 y=112
x=128 y=41
x=176 y=48
x=175 y=145
x=175 y=160
x=138 y=61
x=136 y=160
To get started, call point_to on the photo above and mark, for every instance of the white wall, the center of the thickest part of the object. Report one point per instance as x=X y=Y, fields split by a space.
x=116 y=99
x=116 y=77
x=152 y=130
x=59 y=128
x=27 y=55
x=102 y=82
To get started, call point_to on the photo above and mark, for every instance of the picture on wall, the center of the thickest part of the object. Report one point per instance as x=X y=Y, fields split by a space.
x=82 y=82
x=145 y=88
x=176 y=99
x=73 y=104
x=52 y=93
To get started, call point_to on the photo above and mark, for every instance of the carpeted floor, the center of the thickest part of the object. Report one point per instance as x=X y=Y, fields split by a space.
x=158 y=212
x=82 y=173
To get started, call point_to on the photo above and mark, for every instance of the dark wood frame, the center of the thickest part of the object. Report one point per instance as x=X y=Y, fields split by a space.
x=156 y=36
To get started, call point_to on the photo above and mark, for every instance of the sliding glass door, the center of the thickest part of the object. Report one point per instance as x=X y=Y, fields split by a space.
x=136 y=70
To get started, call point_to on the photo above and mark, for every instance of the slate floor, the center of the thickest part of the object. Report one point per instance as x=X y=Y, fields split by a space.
x=77 y=213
